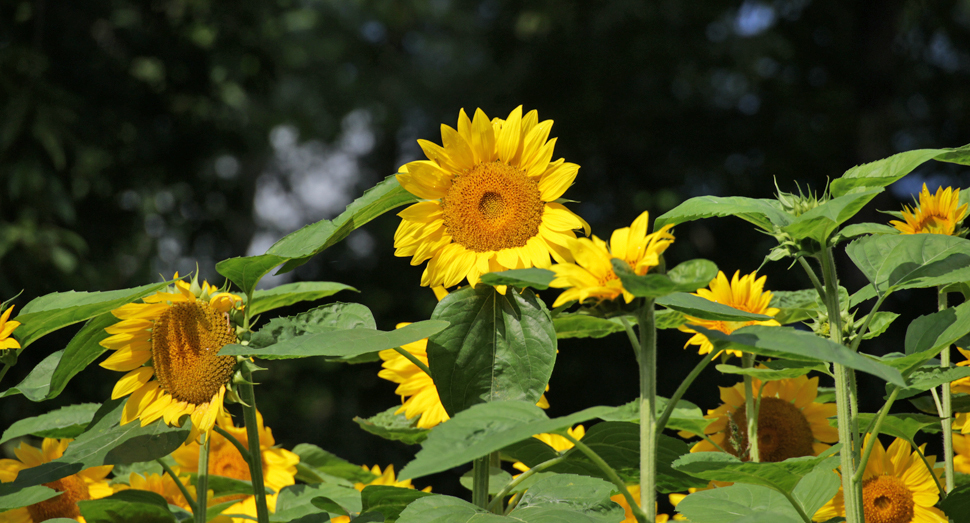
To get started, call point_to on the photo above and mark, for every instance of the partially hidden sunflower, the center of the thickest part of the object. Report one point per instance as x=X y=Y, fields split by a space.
x=383 y=478
x=939 y=213
x=167 y=346
x=163 y=485
x=961 y=453
x=6 y=330
x=620 y=500
x=897 y=487
x=745 y=293
x=556 y=441
x=87 y=484
x=416 y=388
x=592 y=276
x=279 y=465
x=490 y=196
x=790 y=422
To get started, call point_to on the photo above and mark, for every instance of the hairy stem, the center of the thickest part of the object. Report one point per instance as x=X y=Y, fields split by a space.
x=638 y=513
x=648 y=409
x=202 y=481
x=248 y=396
x=947 y=404
x=634 y=341
x=480 y=482
x=750 y=409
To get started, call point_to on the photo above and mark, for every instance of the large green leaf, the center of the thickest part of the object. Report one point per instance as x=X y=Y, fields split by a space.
x=777 y=370
x=738 y=503
x=25 y=497
x=817 y=487
x=957 y=502
x=577 y=494
x=317 y=465
x=819 y=223
x=341 y=343
x=706 y=309
x=535 y=277
x=794 y=306
x=297 y=501
x=60 y=309
x=497 y=479
x=686 y=277
x=585 y=326
x=781 y=476
x=881 y=173
x=37 y=383
x=395 y=427
x=903 y=425
x=685 y=415
x=761 y=212
x=789 y=343
x=300 y=245
x=387 y=500
x=65 y=422
x=893 y=262
x=446 y=509
x=246 y=271
x=930 y=334
x=127 y=506
x=290 y=293
x=926 y=378
x=84 y=348
x=496 y=348
x=486 y=428
x=326 y=318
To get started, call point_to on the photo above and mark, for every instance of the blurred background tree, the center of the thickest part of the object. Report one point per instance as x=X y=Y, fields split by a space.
x=142 y=138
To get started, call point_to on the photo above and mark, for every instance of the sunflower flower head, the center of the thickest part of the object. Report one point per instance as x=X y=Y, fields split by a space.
x=7 y=327
x=167 y=346
x=591 y=274
x=490 y=200
x=744 y=293
x=163 y=485
x=791 y=423
x=87 y=484
x=279 y=465
x=897 y=487
x=939 y=213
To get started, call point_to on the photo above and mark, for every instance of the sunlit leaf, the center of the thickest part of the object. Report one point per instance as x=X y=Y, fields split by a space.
x=585 y=326
x=819 y=223
x=583 y=495
x=761 y=212
x=893 y=262
x=246 y=271
x=706 y=309
x=387 y=500
x=395 y=427
x=686 y=277
x=535 y=277
x=738 y=503
x=65 y=422
x=882 y=173
x=290 y=293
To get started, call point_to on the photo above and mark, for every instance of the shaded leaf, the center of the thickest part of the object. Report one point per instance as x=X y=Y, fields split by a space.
x=686 y=277
x=925 y=379
x=706 y=309
x=577 y=494
x=903 y=261
x=37 y=383
x=930 y=334
x=957 y=501
x=83 y=349
x=904 y=425
x=127 y=506
x=297 y=501
x=585 y=326
x=290 y=293
x=65 y=422
x=777 y=370
x=761 y=212
x=326 y=318
x=782 y=476
x=738 y=503
x=497 y=478
x=794 y=306
x=446 y=509
x=535 y=277
x=246 y=271
x=388 y=501
x=395 y=427
x=861 y=229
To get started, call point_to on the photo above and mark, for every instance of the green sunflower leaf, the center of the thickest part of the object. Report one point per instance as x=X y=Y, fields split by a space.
x=686 y=277
x=447 y=509
x=83 y=349
x=246 y=271
x=819 y=223
x=535 y=278
x=495 y=348
x=738 y=503
x=794 y=306
x=585 y=326
x=781 y=476
x=904 y=425
x=760 y=212
x=37 y=383
x=928 y=335
x=706 y=309
x=54 y=311
x=957 y=501
x=326 y=318
x=777 y=370
x=65 y=422
x=881 y=173
x=685 y=416
x=855 y=230
x=323 y=462
x=225 y=486
x=126 y=506
x=573 y=495
x=904 y=261
x=26 y=497
x=388 y=501
x=497 y=479
x=394 y=427
x=924 y=379
x=297 y=501
x=290 y=293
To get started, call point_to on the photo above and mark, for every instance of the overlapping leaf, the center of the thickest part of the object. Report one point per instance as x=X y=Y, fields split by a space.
x=686 y=277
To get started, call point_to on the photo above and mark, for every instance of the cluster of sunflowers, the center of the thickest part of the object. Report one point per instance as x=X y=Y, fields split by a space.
x=488 y=216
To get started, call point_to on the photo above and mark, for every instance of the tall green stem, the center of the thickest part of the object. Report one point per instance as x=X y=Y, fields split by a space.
x=178 y=483
x=648 y=409
x=248 y=397
x=947 y=404
x=202 y=481
x=750 y=410
x=638 y=511
x=844 y=396
x=480 y=482
x=679 y=393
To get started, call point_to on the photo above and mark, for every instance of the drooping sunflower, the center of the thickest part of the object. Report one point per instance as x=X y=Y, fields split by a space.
x=86 y=484
x=744 y=293
x=279 y=465
x=6 y=330
x=383 y=478
x=897 y=487
x=163 y=485
x=790 y=422
x=557 y=442
x=939 y=213
x=592 y=276
x=490 y=200
x=167 y=345
x=416 y=388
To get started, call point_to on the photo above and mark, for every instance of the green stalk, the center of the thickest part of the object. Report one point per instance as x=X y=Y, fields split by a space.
x=248 y=397
x=750 y=410
x=202 y=481
x=648 y=409
x=947 y=404
x=634 y=341
x=178 y=483
x=3 y=371
x=798 y=507
x=480 y=482
x=413 y=359
x=679 y=393
x=611 y=474
x=873 y=430
x=243 y=451
x=851 y=489
x=497 y=500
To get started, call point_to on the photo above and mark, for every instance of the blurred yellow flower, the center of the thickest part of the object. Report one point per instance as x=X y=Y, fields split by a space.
x=6 y=329
x=557 y=442
x=939 y=213
x=163 y=485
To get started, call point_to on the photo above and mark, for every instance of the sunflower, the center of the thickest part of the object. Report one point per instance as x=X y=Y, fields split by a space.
x=490 y=200
x=383 y=478
x=790 y=423
x=592 y=276
x=744 y=293
x=897 y=487
x=961 y=453
x=279 y=465
x=173 y=337
x=939 y=213
x=620 y=500
x=163 y=485
x=86 y=484
x=417 y=390
x=557 y=442
x=6 y=329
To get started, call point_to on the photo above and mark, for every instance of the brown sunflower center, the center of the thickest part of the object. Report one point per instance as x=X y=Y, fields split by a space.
x=492 y=207
x=73 y=489
x=783 y=431
x=885 y=499
x=185 y=340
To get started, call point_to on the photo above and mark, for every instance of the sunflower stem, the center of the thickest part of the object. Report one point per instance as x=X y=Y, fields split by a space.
x=202 y=481
x=648 y=409
x=798 y=507
x=178 y=483
x=632 y=335
x=750 y=409
x=611 y=474
x=851 y=489
x=679 y=393
x=929 y=467
x=947 y=404
x=243 y=451
x=865 y=325
x=480 y=470
x=413 y=359
x=873 y=430
x=497 y=500
x=3 y=371
x=813 y=277
x=248 y=396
